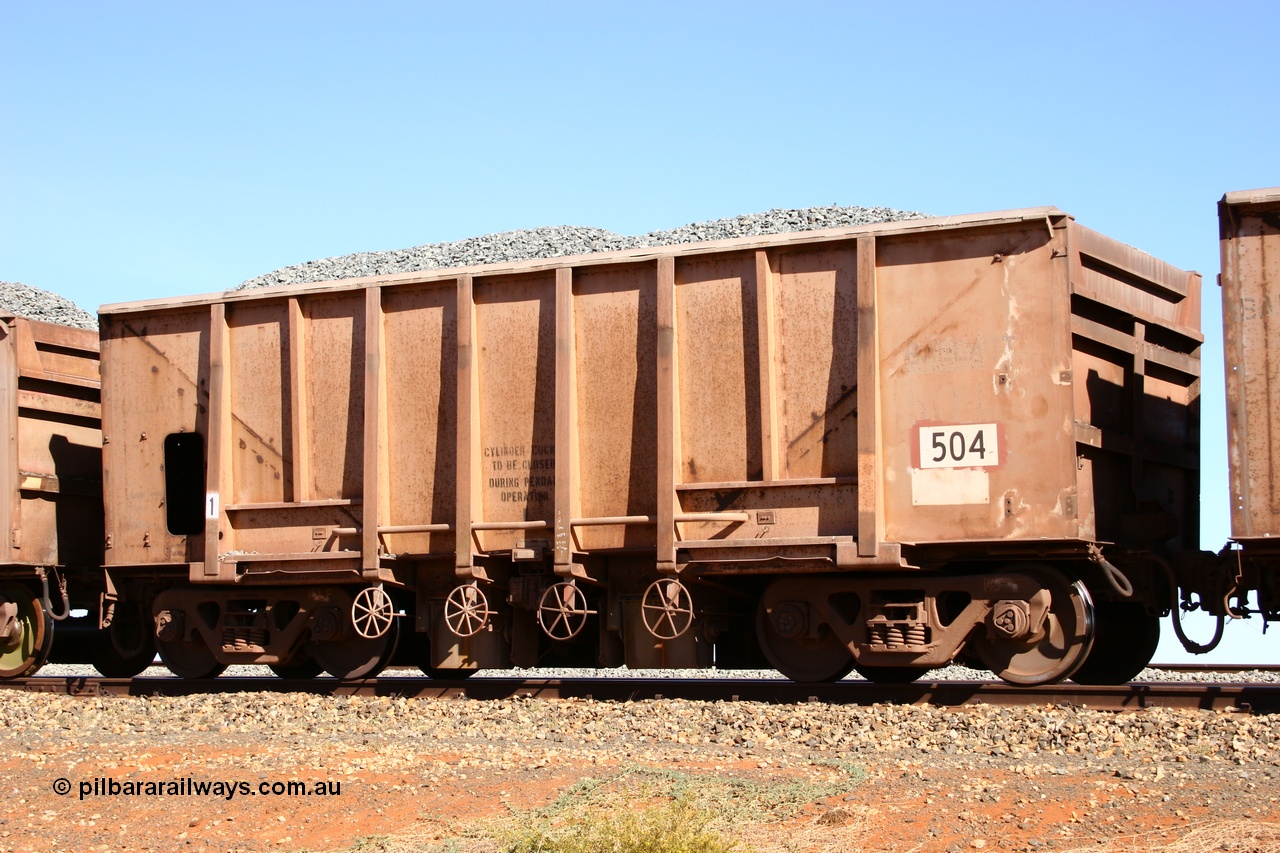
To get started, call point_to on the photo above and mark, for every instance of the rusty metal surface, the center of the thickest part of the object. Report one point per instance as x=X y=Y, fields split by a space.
x=1136 y=370
x=975 y=412
x=1253 y=698
x=1249 y=224
x=51 y=509
x=818 y=398
x=158 y=378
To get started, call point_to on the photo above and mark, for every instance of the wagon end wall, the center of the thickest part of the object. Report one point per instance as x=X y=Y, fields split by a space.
x=51 y=509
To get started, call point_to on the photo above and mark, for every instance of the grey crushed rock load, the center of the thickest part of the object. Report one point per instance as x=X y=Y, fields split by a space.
x=563 y=240
x=36 y=304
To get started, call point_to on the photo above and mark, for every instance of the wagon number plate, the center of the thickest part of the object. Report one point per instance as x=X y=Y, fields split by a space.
x=959 y=446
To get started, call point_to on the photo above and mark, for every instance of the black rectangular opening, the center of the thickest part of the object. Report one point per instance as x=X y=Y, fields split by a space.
x=184 y=483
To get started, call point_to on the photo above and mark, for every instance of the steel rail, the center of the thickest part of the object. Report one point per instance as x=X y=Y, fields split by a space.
x=1215 y=667
x=1256 y=698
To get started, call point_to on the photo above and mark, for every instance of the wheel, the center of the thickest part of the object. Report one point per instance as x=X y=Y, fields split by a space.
x=356 y=656
x=784 y=639
x=129 y=645
x=1126 y=640
x=109 y=661
x=189 y=658
x=1058 y=648
x=562 y=611
x=466 y=610
x=25 y=646
x=890 y=674
x=301 y=665
x=667 y=609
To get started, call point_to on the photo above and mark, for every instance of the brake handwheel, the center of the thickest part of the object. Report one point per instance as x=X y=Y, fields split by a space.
x=466 y=610
x=667 y=609
x=372 y=612
x=562 y=611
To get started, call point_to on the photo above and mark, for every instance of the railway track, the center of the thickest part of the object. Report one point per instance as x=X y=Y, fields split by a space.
x=1246 y=697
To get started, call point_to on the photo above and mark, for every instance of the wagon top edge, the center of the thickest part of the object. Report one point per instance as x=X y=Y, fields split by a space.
x=908 y=226
x=1248 y=197
x=71 y=337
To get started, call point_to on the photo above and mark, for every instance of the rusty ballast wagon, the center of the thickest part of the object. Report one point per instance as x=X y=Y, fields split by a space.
x=884 y=446
x=50 y=497
x=1249 y=224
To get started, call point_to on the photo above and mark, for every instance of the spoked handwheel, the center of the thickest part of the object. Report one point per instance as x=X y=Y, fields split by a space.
x=667 y=609
x=372 y=612
x=562 y=611
x=1048 y=652
x=797 y=651
x=185 y=656
x=26 y=631
x=466 y=610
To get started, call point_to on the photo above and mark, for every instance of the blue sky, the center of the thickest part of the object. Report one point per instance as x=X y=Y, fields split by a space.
x=152 y=149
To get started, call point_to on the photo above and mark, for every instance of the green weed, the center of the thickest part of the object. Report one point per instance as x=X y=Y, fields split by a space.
x=642 y=809
x=675 y=827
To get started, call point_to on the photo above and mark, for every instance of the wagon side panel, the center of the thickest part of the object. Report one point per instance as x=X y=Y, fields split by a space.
x=614 y=416
x=766 y=423
x=420 y=427
x=155 y=426
x=515 y=366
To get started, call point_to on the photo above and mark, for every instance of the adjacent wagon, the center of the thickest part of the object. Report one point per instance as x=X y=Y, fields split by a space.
x=1250 y=243
x=50 y=487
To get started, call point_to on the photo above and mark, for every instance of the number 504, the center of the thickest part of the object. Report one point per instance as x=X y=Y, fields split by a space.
x=959 y=446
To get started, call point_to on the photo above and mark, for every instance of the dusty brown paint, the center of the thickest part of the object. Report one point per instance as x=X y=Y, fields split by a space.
x=51 y=486
x=711 y=404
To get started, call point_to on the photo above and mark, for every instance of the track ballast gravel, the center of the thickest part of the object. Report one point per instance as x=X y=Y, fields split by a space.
x=564 y=240
x=894 y=777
